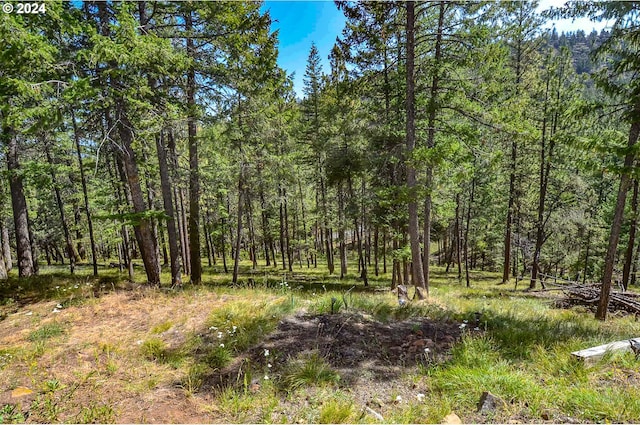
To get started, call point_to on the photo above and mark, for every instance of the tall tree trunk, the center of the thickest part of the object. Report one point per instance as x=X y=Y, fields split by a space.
x=431 y=131
x=3 y=267
x=65 y=227
x=252 y=236
x=167 y=202
x=376 y=265
x=616 y=225
x=326 y=228
x=341 y=233
x=286 y=230
x=416 y=255
x=236 y=256
x=358 y=234
x=194 y=176
x=458 y=233
x=466 y=232
x=632 y=237
x=143 y=231
x=6 y=246
x=26 y=261
x=545 y=170
x=223 y=248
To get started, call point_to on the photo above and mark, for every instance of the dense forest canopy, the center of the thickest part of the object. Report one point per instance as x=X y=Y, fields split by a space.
x=462 y=134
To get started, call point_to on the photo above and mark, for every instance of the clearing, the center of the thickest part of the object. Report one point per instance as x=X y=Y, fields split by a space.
x=303 y=348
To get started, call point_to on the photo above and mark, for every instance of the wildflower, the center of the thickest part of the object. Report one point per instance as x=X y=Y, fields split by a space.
x=476 y=328
x=234 y=329
x=55 y=310
x=427 y=350
x=269 y=365
x=398 y=398
x=266 y=378
x=219 y=335
x=420 y=396
x=222 y=345
x=57 y=287
x=213 y=328
x=59 y=306
x=266 y=353
x=462 y=326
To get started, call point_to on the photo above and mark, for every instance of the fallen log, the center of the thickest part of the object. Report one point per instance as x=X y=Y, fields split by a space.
x=595 y=353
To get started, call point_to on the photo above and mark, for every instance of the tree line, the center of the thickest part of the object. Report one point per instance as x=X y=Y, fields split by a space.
x=461 y=134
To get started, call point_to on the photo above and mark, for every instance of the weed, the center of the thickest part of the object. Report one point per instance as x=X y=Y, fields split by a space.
x=47 y=331
x=309 y=369
x=154 y=349
x=50 y=386
x=95 y=413
x=162 y=327
x=217 y=358
x=192 y=381
x=336 y=412
x=9 y=414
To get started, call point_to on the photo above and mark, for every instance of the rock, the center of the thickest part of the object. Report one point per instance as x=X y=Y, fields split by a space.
x=451 y=418
x=373 y=413
x=489 y=403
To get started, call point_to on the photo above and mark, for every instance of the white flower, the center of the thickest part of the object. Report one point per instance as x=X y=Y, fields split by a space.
x=139 y=342
x=213 y=328
x=427 y=350
x=420 y=396
x=476 y=328
x=222 y=345
x=235 y=328
x=266 y=378
x=57 y=287
x=269 y=365
x=59 y=306
x=462 y=326
x=219 y=335
x=55 y=310
x=266 y=353
x=398 y=398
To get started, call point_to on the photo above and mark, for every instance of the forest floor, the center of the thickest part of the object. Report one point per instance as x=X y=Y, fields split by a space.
x=303 y=348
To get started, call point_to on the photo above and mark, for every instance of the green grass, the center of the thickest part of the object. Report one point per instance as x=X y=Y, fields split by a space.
x=307 y=370
x=522 y=354
x=45 y=332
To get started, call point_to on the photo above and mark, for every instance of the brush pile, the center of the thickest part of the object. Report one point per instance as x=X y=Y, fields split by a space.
x=589 y=294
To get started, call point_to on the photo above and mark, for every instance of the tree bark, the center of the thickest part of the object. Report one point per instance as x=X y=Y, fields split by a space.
x=194 y=176
x=6 y=246
x=632 y=237
x=142 y=228
x=167 y=202
x=85 y=195
x=616 y=225
x=26 y=261
x=63 y=220
x=416 y=255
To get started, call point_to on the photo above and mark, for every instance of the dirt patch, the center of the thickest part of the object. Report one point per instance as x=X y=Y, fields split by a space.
x=355 y=344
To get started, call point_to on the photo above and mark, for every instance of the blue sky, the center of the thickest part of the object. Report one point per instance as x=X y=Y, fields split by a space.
x=302 y=22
